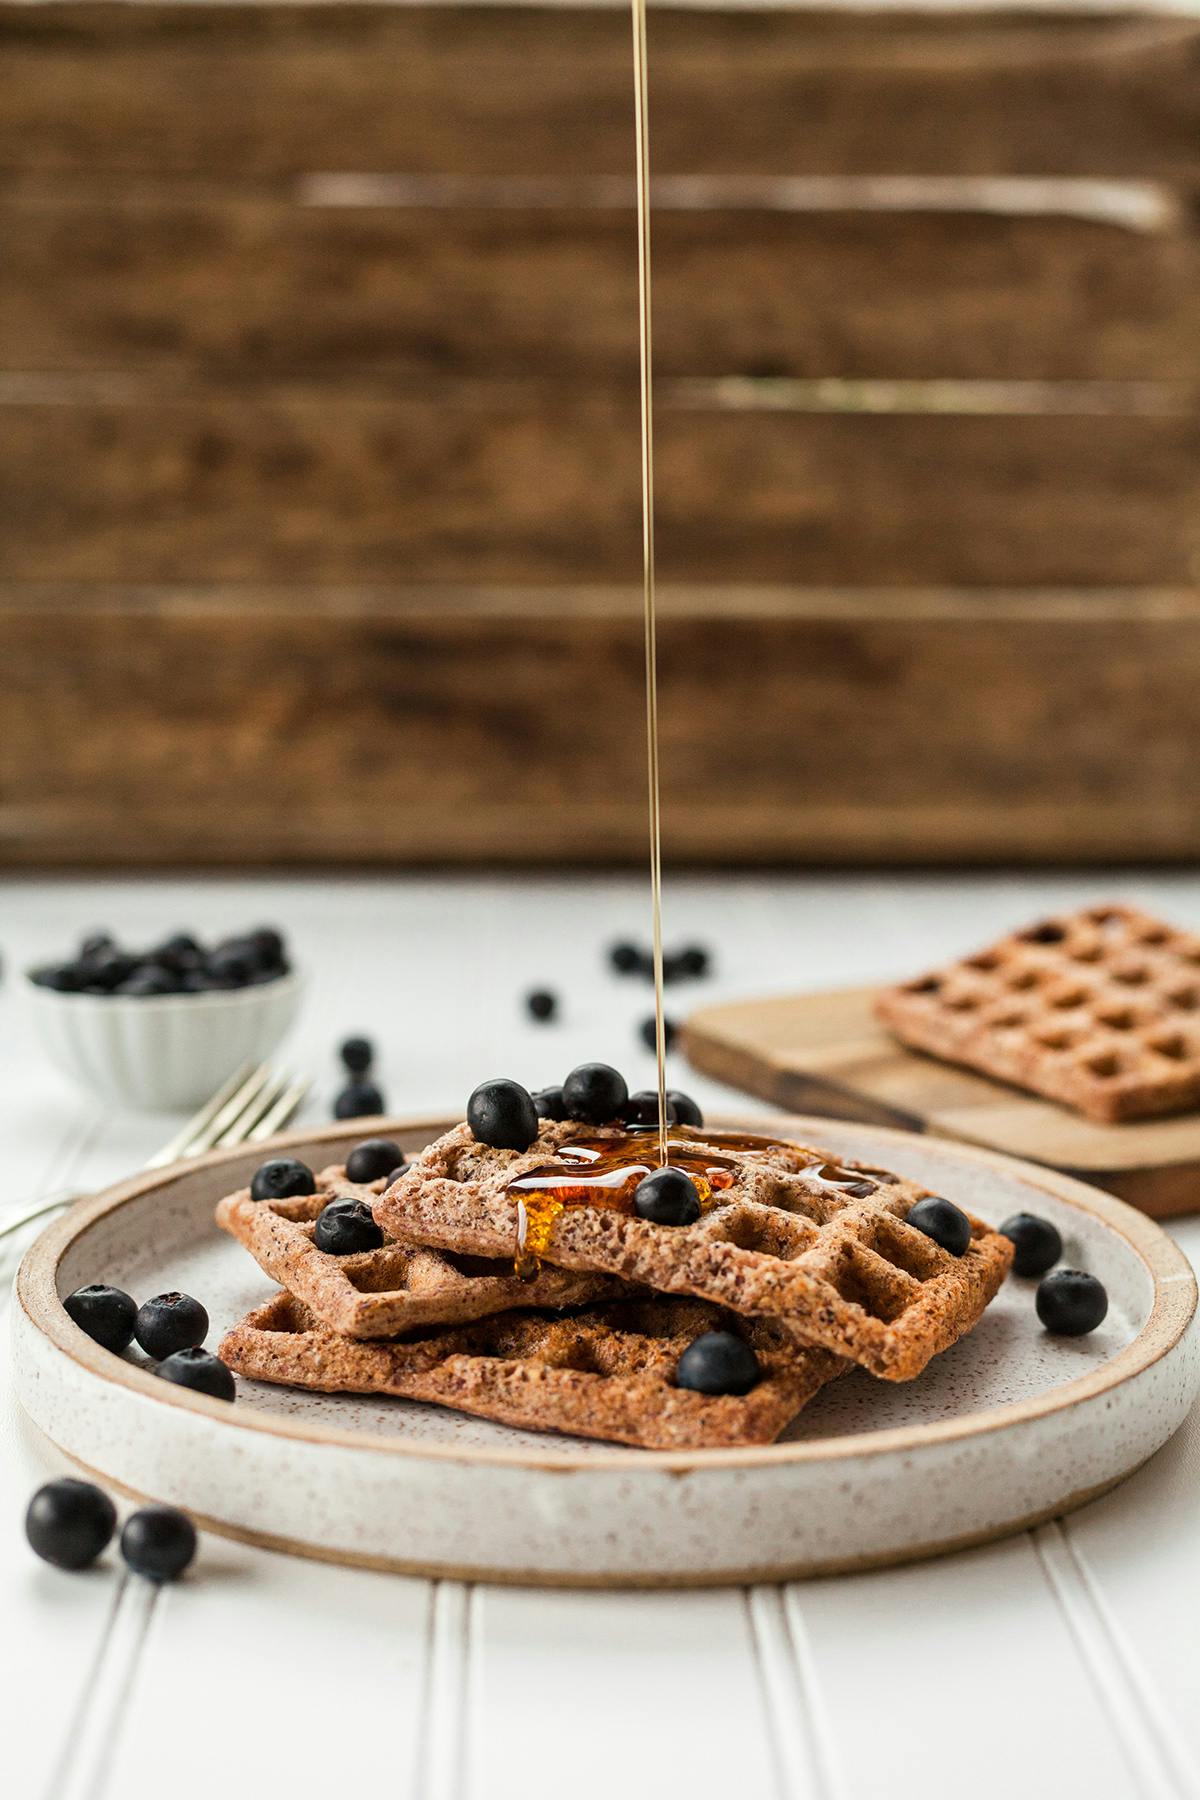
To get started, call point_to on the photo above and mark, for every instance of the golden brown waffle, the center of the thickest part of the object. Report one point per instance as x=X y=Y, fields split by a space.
x=1099 y=1009
x=604 y=1372
x=831 y=1257
x=377 y=1293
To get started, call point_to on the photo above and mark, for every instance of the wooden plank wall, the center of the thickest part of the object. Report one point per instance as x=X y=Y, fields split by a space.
x=318 y=434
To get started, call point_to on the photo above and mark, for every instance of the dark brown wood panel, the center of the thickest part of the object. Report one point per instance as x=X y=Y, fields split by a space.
x=494 y=484
x=105 y=279
x=414 y=726
x=547 y=90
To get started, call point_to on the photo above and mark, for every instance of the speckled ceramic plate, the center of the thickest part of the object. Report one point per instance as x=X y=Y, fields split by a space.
x=1009 y=1427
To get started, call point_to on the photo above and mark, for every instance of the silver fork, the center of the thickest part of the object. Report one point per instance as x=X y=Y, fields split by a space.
x=248 y=1107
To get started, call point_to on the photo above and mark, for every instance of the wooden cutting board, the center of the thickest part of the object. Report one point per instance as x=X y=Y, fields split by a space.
x=826 y=1053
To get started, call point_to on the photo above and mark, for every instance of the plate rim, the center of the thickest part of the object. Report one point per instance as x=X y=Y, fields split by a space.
x=1172 y=1312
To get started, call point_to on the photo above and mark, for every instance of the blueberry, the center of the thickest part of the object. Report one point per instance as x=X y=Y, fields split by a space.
x=1070 y=1303
x=69 y=1522
x=231 y=965
x=170 y=1322
x=719 y=1362
x=673 y=969
x=97 y=943
x=108 y=970
x=357 y=1053
x=395 y=1174
x=626 y=958
x=64 y=978
x=695 y=961
x=268 y=946
x=106 y=1313
x=541 y=1004
x=648 y=1031
x=684 y=1108
x=179 y=953
x=502 y=1113
x=201 y=1371
x=158 y=1542
x=667 y=1197
x=594 y=1093
x=549 y=1103
x=1038 y=1244
x=150 y=980
x=358 y=1100
x=641 y=1109
x=346 y=1227
x=373 y=1159
x=942 y=1221
x=282 y=1178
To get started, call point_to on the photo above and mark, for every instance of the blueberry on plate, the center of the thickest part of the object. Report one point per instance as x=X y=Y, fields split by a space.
x=170 y=1322
x=158 y=1542
x=684 y=1108
x=358 y=1100
x=648 y=1031
x=357 y=1054
x=641 y=1109
x=594 y=1094
x=1070 y=1303
x=541 y=1004
x=346 y=1227
x=282 y=1178
x=107 y=1314
x=502 y=1113
x=667 y=1197
x=549 y=1104
x=201 y=1371
x=718 y=1362
x=373 y=1159
x=1037 y=1241
x=69 y=1523
x=947 y=1224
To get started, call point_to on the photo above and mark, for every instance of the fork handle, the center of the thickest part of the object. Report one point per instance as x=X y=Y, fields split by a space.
x=30 y=1213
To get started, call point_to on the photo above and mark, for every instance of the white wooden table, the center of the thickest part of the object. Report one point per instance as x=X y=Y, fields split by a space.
x=1064 y=1662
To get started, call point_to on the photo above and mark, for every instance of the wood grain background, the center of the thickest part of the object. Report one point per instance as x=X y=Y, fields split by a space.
x=318 y=434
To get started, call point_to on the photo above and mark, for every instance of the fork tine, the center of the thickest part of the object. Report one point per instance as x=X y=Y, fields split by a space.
x=282 y=1110
x=247 y=1119
x=178 y=1146
x=233 y=1109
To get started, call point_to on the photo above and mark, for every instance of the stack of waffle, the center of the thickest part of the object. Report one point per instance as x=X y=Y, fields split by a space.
x=814 y=1275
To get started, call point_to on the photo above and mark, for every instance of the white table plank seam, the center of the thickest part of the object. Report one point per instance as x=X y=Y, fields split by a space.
x=1158 y=1762
x=81 y=1772
x=791 y=1701
x=442 y=1768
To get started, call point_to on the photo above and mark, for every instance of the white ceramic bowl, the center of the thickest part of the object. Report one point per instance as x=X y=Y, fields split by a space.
x=160 y=1053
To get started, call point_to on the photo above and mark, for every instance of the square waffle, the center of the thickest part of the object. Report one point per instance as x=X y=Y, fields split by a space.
x=822 y=1247
x=1099 y=1009
x=604 y=1372
x=377 y=1293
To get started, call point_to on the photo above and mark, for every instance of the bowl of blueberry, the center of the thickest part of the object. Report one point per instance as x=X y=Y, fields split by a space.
x=161 y=1029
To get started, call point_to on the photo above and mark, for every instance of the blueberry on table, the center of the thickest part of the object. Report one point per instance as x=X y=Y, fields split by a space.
x=684 y=1109
x=282 y=1178
x=947 y=1224
x=69 y=1523
x=550 y=1104
x=502 y=1113
x=594 y=1094
x=1070 y=1303
x=107 y=1314
x=625 y=958
x=346 y=1227
x=541 y=1004
x=170 y=1322
x=694 y=960
x=158 y=1542
x=1037 y=1241
x=373 y=1159
x=648 y=1030
x=358 y=1100
x=667 y=1197
x=201 y=1371
x=719 y=1362
x=357 y=1054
